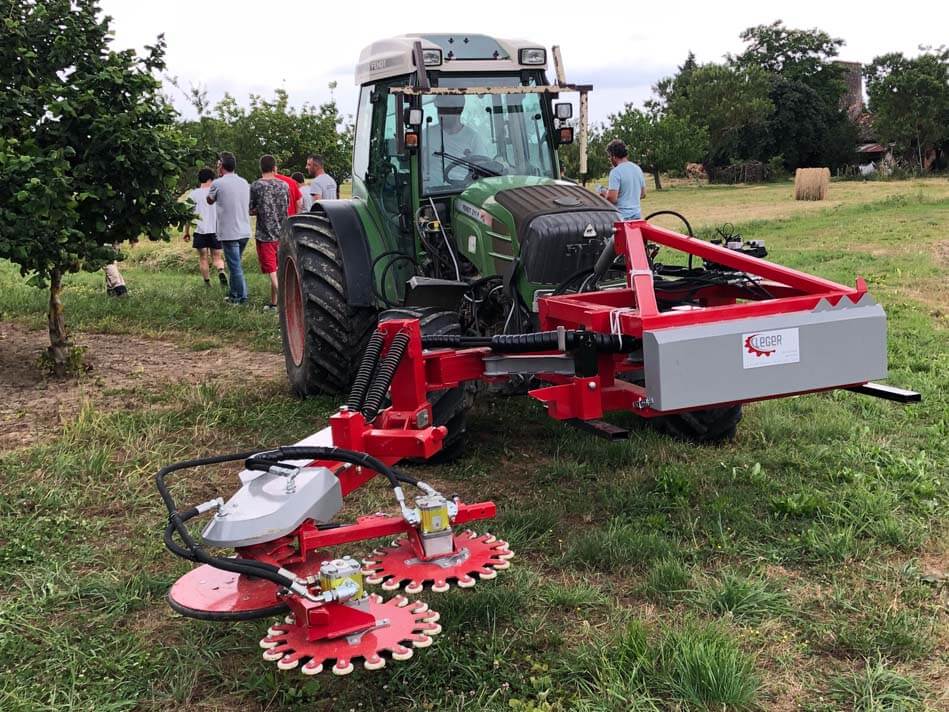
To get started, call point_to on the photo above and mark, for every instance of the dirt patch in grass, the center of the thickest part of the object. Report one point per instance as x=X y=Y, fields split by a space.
x=122 y=370
x=941 y=251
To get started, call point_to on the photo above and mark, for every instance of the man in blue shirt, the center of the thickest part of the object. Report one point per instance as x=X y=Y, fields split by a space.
x=627 y=186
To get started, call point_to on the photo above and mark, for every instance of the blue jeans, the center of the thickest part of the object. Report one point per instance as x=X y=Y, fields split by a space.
x=233 y=250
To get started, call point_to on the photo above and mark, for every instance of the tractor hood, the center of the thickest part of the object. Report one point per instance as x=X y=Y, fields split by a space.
x=558 y=228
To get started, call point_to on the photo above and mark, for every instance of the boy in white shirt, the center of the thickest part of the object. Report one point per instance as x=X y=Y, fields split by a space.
x=205 y=239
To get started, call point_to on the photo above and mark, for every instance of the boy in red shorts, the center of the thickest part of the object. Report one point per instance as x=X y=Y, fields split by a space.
x=269 y=200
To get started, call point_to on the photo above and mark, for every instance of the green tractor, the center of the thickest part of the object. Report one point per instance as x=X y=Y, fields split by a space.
x=457 y=204
x=459 y=216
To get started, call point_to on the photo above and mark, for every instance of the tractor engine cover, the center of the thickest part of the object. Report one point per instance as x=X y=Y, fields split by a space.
x=561 y=227
x=271 y=506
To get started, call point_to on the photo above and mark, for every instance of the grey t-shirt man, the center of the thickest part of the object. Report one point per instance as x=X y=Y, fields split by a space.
x=323 y=187
x=231 y=196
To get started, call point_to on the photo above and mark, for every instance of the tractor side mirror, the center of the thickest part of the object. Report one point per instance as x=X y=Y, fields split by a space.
x=563 y=110
x=565 y=135
x=413 y=117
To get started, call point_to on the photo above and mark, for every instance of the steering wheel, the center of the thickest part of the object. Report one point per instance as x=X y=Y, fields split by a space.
x=472 y=162
x=491 y=164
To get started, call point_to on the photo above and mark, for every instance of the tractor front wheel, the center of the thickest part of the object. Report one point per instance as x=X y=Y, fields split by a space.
x=323 y=335
x=712 y=425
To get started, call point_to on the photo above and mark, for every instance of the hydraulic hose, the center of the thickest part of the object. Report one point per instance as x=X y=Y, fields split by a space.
x=608 y=255
x=265 y=460
x=191 y=550
x=538 y=341
x=367 y=367
x=673 y=213
x=605 y=260
x=383 y=378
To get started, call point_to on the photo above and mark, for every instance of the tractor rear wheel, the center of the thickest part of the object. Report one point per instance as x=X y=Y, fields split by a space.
x=712 y=425
x=323 y=335
x=449 y=407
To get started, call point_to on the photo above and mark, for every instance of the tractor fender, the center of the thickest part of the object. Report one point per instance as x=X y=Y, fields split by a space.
x=353 y=247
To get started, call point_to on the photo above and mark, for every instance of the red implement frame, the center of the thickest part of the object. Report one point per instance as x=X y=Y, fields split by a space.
x=402 y=431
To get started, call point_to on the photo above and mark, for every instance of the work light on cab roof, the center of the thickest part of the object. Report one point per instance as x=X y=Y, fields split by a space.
x=449 y=53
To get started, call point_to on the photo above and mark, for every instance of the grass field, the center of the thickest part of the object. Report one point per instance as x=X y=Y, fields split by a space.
x=803 y=567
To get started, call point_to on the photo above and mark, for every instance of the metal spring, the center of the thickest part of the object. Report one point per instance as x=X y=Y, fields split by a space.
x=383 y=378
x=370 y=358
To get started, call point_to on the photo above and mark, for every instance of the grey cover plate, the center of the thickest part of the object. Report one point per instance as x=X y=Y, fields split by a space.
x=694 y=366
x=262 y=509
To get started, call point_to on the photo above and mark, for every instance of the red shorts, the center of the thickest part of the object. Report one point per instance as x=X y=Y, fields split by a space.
x=267 y=256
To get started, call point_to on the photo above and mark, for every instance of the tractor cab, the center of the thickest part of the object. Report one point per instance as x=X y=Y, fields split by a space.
x=447 y=127
x=458 y=205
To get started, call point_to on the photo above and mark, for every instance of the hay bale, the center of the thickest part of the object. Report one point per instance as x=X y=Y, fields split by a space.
x=811 y=183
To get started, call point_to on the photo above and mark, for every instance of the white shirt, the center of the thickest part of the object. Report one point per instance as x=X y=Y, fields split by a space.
x=461 y=144
x=207 y=214
x=306 y=199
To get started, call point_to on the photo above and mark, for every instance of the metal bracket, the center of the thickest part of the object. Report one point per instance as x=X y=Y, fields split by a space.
x=892 y=393
x=511 y=365
x=600 y=428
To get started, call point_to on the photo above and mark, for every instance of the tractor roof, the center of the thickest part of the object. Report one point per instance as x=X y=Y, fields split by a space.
x=459 y=53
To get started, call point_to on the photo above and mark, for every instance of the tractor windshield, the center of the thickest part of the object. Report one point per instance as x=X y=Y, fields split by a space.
x=466 y=137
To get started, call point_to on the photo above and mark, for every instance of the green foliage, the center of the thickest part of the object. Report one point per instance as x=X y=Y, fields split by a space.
x=598 y=164
x=75 y=362
x=805 y=129
x=909 y=99
x=619 y=545
x=808 y=127
x=658 y=142
x=667 y=577
x=744 y=598
x=726 y=101
x=801 y=56
x=89 y=150
x=779 y=97
x=700 y=666
x=269 y=126
x=877 y=688
x=706 y=669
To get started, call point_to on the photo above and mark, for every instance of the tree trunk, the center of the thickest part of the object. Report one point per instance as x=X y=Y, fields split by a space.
x=919 y=151
x=655 y=177
x=58 y=339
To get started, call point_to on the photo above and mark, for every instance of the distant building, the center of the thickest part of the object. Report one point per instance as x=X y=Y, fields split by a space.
x=852 y=99
x=869 y=149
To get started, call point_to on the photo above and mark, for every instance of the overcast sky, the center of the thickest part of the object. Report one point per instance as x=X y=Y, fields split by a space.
x=622 y=48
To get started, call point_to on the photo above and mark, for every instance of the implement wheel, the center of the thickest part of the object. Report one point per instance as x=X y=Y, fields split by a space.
x=449 y=407
x=323 y=336
x=712 y=425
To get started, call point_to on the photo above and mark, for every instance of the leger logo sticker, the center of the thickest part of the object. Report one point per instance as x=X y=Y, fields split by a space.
x=770 y=348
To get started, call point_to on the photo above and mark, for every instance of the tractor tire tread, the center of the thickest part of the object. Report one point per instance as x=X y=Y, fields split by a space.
x=712 y=425
x=336 y=332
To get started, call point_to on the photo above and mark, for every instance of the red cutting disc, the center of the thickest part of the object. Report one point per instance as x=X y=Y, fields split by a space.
x=397 y=622
x=482 y=555
x=208 y=593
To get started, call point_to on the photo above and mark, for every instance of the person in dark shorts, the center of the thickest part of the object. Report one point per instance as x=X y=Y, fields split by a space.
x=269 y=200
x=205 y=240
